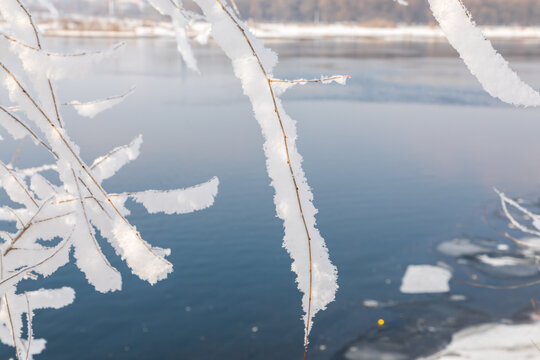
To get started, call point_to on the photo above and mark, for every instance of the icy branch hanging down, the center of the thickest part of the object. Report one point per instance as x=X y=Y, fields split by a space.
x=180 y=21
x=489 y=67
x=73 y=209
x=253 y=65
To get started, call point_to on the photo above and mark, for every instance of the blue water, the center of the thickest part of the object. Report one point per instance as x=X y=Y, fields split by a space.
x=401 y=159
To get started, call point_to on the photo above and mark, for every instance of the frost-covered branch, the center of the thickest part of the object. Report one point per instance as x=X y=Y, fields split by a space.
x=484 y=62
x=75 y=208
x=180 y=20
x=253 y=65
x=93 y=108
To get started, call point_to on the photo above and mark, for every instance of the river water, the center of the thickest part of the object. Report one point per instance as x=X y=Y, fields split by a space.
x=401 y=159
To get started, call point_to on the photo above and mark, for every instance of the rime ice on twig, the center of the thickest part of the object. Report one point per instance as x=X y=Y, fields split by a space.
x=73 y=209
x=489 y=67
x=280 y=86
x=92 y=108
x=253 y=64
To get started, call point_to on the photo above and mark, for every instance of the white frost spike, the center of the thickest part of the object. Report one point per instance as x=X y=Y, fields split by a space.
x=6 y=214
x=13 y=127
x=402 y=2
x=174 y=10
x=253 y=65
x=180 y=201
x=16 y=188
x=57 y=66
x=280 y=86
x=42 y=187
x=91 y=261
x=489 y=67
x=139 y=255
x=36 y=170
x=93 y=108
x=106 y=166
x=18 y=19
x=51 y=299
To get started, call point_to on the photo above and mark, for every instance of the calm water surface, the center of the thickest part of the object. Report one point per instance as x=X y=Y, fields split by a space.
x=401 y=159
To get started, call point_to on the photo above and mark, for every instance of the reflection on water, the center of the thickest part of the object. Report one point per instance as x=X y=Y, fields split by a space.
x=401 y=160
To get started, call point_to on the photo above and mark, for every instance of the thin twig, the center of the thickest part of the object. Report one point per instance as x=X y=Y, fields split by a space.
x=93 y=197
x=19 y=183
x=31 y=267
x=235 y=8
x=55 y=105
x=38 y=40
x=53 y=218
x=30 y=330
x=467 y=12
x=34 y=27
x=503 y=234
x=15 y=214
x=12 y=327
x=17 y=153
x=51 y=54
x=115 y=97
x=28 y=130
x=106 y=157
x=26 y=227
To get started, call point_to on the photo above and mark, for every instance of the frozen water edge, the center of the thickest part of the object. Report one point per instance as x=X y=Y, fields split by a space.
x=493 y=341
x=424 y=327
x=447 y=330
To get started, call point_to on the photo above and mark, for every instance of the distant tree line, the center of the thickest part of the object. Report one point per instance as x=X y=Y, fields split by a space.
x=381 y=12
x=368 y=12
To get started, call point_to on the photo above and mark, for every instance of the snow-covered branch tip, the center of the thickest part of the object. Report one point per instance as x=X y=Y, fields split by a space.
x=77 y=205
x=93 y=108
x=280 y=86
x=180 y=20
x=484 y=62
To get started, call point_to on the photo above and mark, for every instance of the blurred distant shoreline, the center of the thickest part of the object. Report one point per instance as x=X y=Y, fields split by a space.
x=105 y=27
